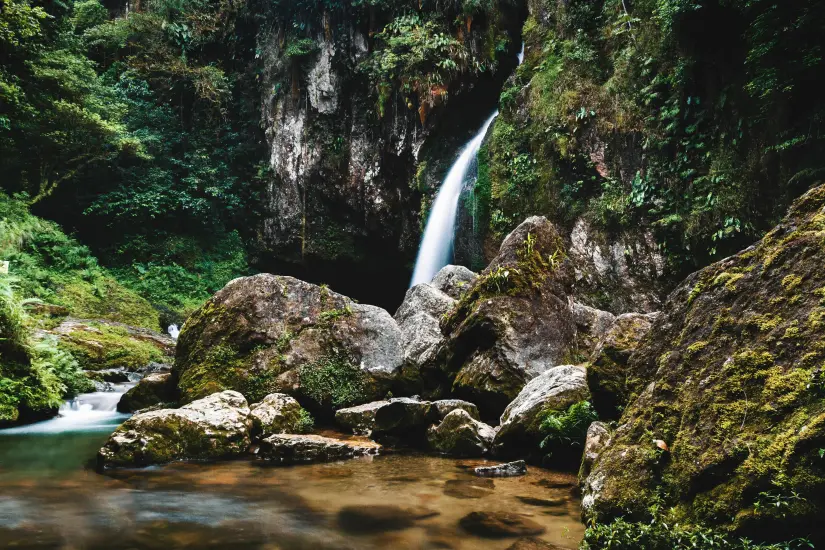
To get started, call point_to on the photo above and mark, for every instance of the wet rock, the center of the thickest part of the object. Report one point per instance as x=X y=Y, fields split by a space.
x=469 y=488
x=402 y=415
x=293 y=448
x=459 y=434
x=508 y=469
x=555 y=390
x=360 y=419
x=378 y=518
x=115 y=376
x=151 y=390
x=607 y=371
x=514 y=323
x=266 y=333
x=277 y=413
x=598 y=436
x=454 y=280
x=543 y=502
x=214 y=427
x=531 y=543
x=499 y=525
x=443 y=407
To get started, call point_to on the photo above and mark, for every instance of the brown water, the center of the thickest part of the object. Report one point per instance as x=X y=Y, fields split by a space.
x=49 y=498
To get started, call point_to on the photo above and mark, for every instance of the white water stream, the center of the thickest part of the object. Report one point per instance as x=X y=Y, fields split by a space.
x=88 y=412
x=439 y=234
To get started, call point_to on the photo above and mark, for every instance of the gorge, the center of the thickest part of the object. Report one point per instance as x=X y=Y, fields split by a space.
x=412 y=274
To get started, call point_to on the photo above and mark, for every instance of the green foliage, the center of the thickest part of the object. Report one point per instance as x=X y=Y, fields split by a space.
x=333 y=380
x=564 y=432
x=661 y=534
x=35 y=376
x=305 y=423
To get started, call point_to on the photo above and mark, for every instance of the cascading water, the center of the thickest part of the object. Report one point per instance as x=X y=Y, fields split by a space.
x=439 y=234
x=440 y=231
x=88 y=412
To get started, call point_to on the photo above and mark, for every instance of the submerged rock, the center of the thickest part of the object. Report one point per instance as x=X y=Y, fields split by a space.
x=730 y=380
x=278 y=413
x=266 y=334
x=454 y=280
x=151 y=390
x=293 y=448
x=499 y=525
x=469 y=488
x=378 y=518
x=459 y=434
x=210 y=428
x=514 y=323
x=508 y=469
x=606 y=373
x=555 y=390
x=530 y=543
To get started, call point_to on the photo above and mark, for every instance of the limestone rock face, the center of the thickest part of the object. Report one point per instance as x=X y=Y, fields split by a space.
x=514 y=323
x=606 y=373
x=293 y=448
x=726 y=398
x=454 y=280
x=277 y=413
x=555 y=390
x=270 y=334
x=591 y=326
x=459 y=434
x=151 y=390
x=214 y=427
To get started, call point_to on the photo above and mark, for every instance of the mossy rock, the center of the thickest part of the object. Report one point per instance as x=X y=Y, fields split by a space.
x=513 y=323
x=151 y=390
x=726 y=395
x=110 y=301
x=98 y=344
x=270 y=334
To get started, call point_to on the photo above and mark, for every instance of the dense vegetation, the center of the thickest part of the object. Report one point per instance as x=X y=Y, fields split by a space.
x=699 y=119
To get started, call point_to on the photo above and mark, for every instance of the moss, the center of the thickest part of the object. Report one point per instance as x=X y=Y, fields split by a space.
x=791 y=282
x=98 y=346
x=334 y=381
x=728 y=279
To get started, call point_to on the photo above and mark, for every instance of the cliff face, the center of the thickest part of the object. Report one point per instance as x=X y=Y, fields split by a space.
x=351 y=108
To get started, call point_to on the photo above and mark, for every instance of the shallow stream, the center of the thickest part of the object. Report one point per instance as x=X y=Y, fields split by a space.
x=51 y=497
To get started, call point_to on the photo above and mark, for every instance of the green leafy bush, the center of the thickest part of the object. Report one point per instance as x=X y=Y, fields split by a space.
x=333 y=380
x=565 y=431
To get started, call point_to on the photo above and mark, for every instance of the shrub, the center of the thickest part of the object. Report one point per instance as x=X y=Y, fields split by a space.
x=565 y=431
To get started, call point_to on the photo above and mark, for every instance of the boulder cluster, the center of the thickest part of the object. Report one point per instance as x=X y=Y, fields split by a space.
x=714 y=406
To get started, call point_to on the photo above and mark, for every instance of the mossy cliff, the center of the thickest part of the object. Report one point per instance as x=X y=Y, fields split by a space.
x=266 y=334
x=731 y=381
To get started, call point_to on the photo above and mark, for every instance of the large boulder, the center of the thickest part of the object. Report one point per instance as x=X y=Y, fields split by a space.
x=419 y=318
x=295 y=448
x=606 y=373
x=278 y=413
x=459 y=434
x=151 y=390
x=591 y=326
x=399 y=415
x=726 y=411
x=454 y=280
x=214 y=427
x=514 y=323
x=554 y=391
x=271 y=334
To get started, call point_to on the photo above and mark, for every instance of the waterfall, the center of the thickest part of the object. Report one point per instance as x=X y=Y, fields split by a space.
x=440 y=231
x=439 y=234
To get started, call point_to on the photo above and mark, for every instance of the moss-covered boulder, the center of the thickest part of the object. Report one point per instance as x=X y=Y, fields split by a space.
x=606 y=373
x=514 y=322
x=459 y=434
x=270 y=334
x=98 y=344
x=553 y=391
x=152 y=389
x=726 y=413
x=214 y=427
x=279 y=413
